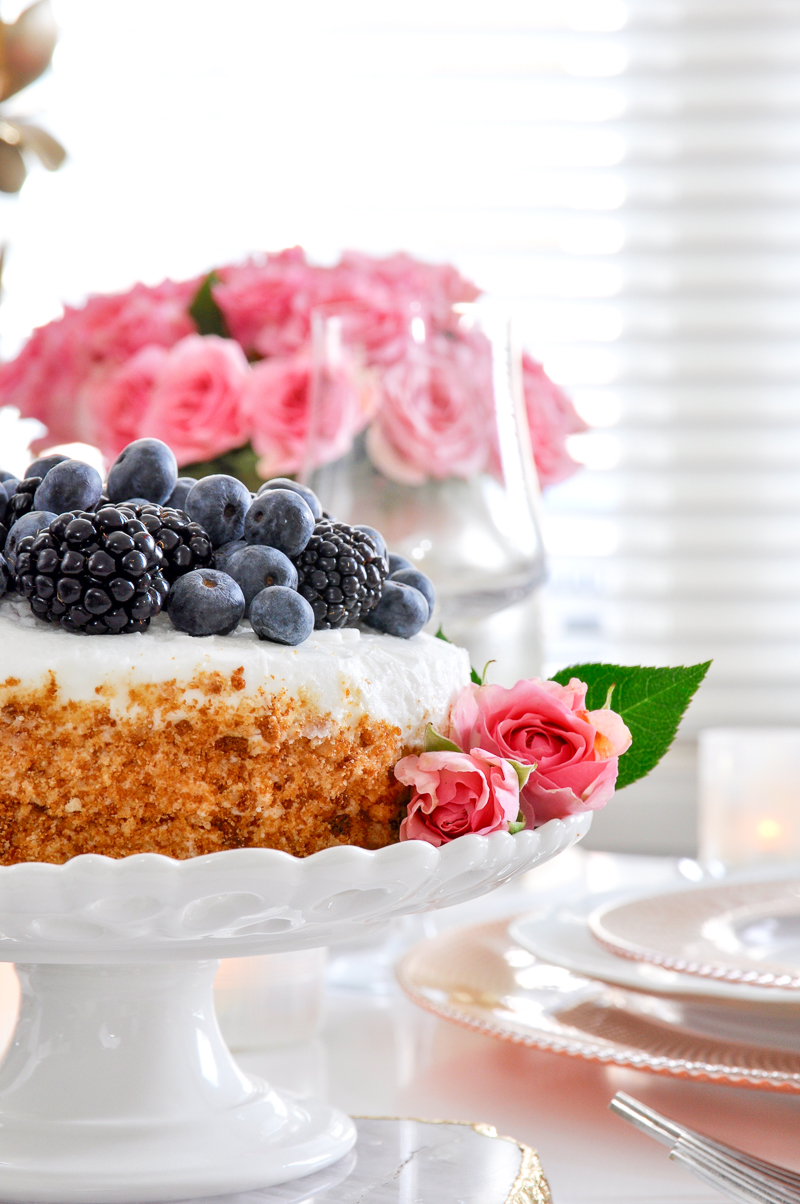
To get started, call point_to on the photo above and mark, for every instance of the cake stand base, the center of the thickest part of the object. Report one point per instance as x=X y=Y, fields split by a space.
x=118 y=1088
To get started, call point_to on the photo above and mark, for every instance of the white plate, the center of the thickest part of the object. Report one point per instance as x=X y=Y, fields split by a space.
x=561 y=936
x=732 y=932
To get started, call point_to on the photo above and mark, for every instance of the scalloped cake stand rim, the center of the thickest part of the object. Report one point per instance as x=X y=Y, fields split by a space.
x=241 y=902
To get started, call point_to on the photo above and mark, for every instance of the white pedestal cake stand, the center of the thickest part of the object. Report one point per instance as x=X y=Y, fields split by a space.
x=117 y=1086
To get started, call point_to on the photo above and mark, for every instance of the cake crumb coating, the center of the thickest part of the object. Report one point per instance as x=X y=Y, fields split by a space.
x=184 y=772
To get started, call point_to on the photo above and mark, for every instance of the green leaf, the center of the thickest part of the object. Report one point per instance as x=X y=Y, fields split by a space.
x=207 y=315
x=475 y=677
x=518 y=824
x=436 y=742
x=651 y=702
x=441 y=636
x=523 y=772
x=240 y=463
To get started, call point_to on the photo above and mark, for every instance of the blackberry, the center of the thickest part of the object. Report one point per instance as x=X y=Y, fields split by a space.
x=22 y=501
x=184 y=545
x=340 y=573
x=98 y=573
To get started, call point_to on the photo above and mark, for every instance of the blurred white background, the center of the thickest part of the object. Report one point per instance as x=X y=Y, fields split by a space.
x=626 y=175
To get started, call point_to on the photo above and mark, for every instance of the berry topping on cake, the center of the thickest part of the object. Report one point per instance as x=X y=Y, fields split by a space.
x=101 y=557
x=396 y=563
x=97 y=573
x=184 y=545
x=280 y=614
x=144 y=469
x=223 y=553
x=340 y=573
x=304 y=492
x=30 y=524
x=219 y=503
x=21 y=500
x=281 y=519
x=416 y=580
x=177 y=499
x=70 y=485
x=401 y=611
x=205 y=602
x=256 y=567
x=42 y=466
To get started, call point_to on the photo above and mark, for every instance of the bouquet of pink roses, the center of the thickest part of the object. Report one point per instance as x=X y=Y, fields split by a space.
x=221 y=367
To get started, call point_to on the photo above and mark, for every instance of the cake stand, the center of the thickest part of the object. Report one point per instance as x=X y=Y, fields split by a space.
x=117 y=1086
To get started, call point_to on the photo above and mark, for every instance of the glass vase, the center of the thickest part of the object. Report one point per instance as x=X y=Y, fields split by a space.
x=433 y=450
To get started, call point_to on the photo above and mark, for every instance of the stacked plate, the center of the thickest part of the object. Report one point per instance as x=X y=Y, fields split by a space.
x=699 y=982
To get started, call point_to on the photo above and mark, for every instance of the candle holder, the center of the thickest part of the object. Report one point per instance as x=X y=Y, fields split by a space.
x=749 y=797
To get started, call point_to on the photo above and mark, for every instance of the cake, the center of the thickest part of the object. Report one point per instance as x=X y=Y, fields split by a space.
x=161 y=742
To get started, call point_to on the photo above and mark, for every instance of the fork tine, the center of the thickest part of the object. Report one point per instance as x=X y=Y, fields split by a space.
x=695 y=1156
x=667 y=1131
x=748 y=1196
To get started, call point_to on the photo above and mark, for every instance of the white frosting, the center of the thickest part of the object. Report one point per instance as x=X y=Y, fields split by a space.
x=344 y=674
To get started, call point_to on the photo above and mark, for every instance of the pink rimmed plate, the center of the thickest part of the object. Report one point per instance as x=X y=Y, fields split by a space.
x=481 y=978
x=743 y=932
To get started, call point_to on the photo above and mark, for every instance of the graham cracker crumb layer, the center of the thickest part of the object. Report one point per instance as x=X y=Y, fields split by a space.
x=185 y=773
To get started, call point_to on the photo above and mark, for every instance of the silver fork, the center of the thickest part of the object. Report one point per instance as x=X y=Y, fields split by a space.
x=741 y=1176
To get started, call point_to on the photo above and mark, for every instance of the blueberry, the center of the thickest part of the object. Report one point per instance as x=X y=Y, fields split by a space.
x=377 y=539
x=145 y=468
x=6 y=476
x=304 y=492
x=258 y=567
x=281 y=519
x=30 y=524
x=396 y=563
x=219 y=503
x=281 y=615
x=419 y=581
x=223 y=553
x=42 y=466
x=4 y=575
x=69 y=485
x=9 y=486
x=205 y=602
x=177 y=499
x=402 y=610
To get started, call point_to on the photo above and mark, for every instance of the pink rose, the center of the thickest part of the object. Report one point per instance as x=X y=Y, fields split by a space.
x=434 y=286
x=267 y=304
x=196 y=403
x=435 y=419
x=575 y=752
x=551 y=417
x=110 y=408
x=457 y=793
x=259 y=301
x=60 y=358
x=277 y=405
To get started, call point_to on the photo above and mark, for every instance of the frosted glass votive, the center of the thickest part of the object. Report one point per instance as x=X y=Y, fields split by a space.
x=749 y=796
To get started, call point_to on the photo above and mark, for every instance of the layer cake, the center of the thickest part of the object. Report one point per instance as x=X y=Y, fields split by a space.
x=161 y=742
